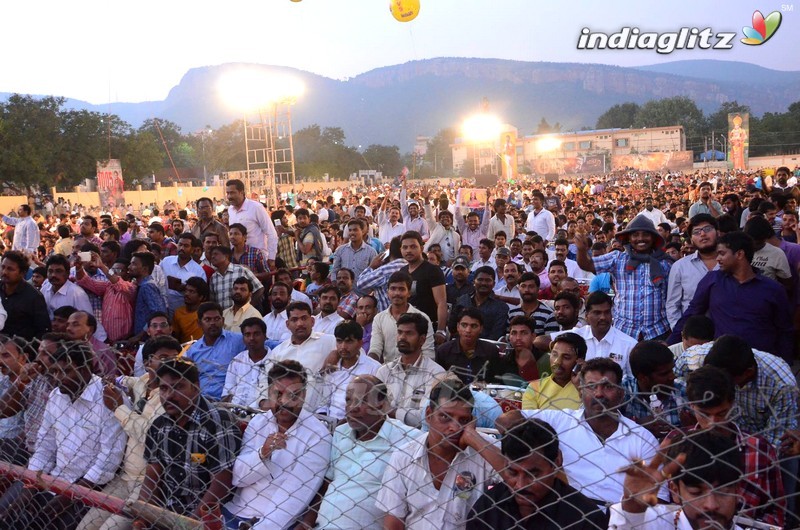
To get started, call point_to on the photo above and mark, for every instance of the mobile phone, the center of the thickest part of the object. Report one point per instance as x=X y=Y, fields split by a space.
x=385 y=256
x=85 y=256
x=277 y=222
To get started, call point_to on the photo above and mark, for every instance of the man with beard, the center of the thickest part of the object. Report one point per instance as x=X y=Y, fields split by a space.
x=410 y=377
x=276 y=318
x=558 y=389
x=304 y=345
x=427 y=288
x=495 y=312
x=328 y=318
x=655 y=215
x=214 y=351
x=531 y=306
x=434 y=479
x=707 y=470
x=475 y=228
x=26 y=307
x=285 y=453
x=532 y=495
x=509 y=293
x=241 y=309
x=207 y=224
x=596 y=440
x=360 y=453
x=191 y=448
x=640 y=276
x=705 y=202
x=349 y=298
x=460 y=285
x=687 y=272
x=538 y=266
x=444 y=234
x=355 y=255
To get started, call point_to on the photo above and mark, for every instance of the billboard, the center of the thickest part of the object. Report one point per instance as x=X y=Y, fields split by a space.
x=508 y=154
x=110 y=184
x=571 y=165
x=659 y=161
x=738 y=140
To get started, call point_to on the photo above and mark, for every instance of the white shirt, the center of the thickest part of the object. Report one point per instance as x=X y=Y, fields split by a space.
x=311 y=353
x=326 y=324
x=26 y=233
x=408 y=492
x=383 y=343
x=69 y=294
x=335 y=384
x=480 y=263
x=80 y=439
x=616 y=345
x=243 y=377
x=261 y=231
x=592 y=466
x=298 y=296
x=276 y=326
x=511 y=293
x=574 y=270
x=387 y=230
x=496 y=225
x=409 y=388
x=279 y=489
x=658 y=517
x=171 y=267
x=656 y=216
x=543 y=223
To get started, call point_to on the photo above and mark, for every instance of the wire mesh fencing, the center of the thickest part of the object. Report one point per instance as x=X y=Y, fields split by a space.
x=282 y=447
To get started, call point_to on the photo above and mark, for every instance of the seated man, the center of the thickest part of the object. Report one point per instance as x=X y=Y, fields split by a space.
x=79 y=441
x=190 y=448
x=558 y=390
x=351 y=361
x=433 y=480
x=411 y=377
x=184 y=322
x=532 y=495
x=655 y=398
x=241 y=309
x=285 y=453
x=249 y=367
x=596 y=441
x=83 y=326
x=466 y=355
x=328 y=317
x=359 y=456
x=214 y=352
x=707 y=469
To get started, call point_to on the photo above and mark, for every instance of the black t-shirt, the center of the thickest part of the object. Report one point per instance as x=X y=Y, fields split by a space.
x=425 y=278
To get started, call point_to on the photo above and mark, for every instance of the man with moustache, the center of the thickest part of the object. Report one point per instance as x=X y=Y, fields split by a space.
x=285 y=453
x=328 y=318
x=304 y=345
x=355 y=255
x=687 y=272
x=276 y=318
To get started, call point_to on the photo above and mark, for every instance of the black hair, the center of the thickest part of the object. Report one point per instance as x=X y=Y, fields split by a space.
x=327 y=289
x=348 y=271
x=731 y=353
x=726 y=223
x=572 y=298
x=244 y=280
x=348 y=329
x=180 y=368
x=450 y=390
x=225 y=251
x=253 y=321
x=65 y=311
x=557 y=263
x=400 y=277
x=488 y=243
x=287 y=369
x=298 y=306
x=602 y=365
x=236 y=183
x=577 y=342
x=471 y=312
x=708 y=454
x=147 y=259
x=156 y=314
x=698 y=327
x=200 y=285
x=486 y=269
x=240 y=227
x=649 y=355
x=157 y=343
x=205 y=307
x=419 y=322
x=324 y=269
x=530 y=276
x=702 y=218
x=598 y=298
x=521 y=320
x=63 y=231
x=530 y=436
x=709 y=386
x=412 y=234
x=41 y=271
x=56 y=259
x=737 y=241
x=158 y=227
x=188 y=235
x=758 y=228
x=78 y=353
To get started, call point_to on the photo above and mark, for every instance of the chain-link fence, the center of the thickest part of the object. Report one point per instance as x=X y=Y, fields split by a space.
x=277 y=446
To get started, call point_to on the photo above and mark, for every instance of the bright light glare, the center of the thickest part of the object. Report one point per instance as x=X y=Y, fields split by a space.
x=548 y=143
x=482 y=128
x=248 y=90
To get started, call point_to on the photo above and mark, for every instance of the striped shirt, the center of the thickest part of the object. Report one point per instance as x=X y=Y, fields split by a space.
x=376 y=281
x=222 y=284
x=117 y=304
x=542 y=315
x=252 y=258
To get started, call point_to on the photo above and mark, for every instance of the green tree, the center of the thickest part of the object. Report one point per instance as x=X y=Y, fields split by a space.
x=140 y=157
x=439 y=154
x=679 y=110
x=620 y=116
x=384 y=158
x=168 y=137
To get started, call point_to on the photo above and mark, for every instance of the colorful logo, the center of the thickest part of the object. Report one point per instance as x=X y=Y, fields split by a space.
x=763 y=28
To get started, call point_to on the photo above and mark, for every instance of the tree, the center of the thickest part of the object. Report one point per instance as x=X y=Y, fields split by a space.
x=384 y=158
x=620 y=116
x=439 y=154
x=140 y=157
x=543 y=127
x=679 y=110
x=172 y=138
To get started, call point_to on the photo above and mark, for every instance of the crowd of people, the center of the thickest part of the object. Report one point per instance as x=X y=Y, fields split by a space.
x=612 y=352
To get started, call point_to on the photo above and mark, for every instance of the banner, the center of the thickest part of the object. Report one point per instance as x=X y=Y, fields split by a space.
x=471 y=198
x=508 y=154
x=669 y=161
x=738 y=140
x=574 y=165
x=109 y=183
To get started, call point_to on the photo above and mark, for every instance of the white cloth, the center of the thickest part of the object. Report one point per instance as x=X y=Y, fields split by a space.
x=496 y=225
x=311 y=353
x=408 y=492
x=656 y=216
x=543 y=223
x=243 y=378
x=592 y=466
x=684 y=276
x=616 y=345
x=326 y=324
x=276 y=326
x=261 y=231
x=298 y=296
x=279 y=489
x=383 y=343
x=335 y=383
x=80 y=439
x=409 y=388
x=171 y=267
x=69 y=294
x=658 y=517
x=26 y=233
x=386 y=230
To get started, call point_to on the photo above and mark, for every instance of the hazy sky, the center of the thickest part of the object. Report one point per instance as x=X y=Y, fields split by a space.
x=116 y=50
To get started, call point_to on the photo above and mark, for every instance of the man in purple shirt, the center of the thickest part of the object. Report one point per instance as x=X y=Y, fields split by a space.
x=742 y=302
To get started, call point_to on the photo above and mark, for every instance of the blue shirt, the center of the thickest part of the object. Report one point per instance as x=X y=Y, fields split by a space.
x=148 y=301
x=212 y=361
x=756 y=311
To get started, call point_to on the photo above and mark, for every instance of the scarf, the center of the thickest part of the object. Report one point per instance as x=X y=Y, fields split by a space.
x=314 y=230
x=635 y=259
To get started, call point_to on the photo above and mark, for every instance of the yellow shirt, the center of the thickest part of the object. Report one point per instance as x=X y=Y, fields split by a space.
x=185 y=325
x=547 y=394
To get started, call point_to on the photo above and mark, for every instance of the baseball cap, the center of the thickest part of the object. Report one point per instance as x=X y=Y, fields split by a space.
x=461 y=261
x=503 y=251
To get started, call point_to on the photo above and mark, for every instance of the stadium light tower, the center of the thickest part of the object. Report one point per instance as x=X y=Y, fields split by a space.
x=265 y=99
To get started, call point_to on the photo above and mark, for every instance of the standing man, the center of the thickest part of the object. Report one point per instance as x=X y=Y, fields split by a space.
x=180 y=268
x=427 y=288
x=411 y=217
x=208 y=224
x=148 y=297
x=541 y=220
x=495 y=312
x=687 y=272
x=308 y=236
x=26 y=231
x=655 y=215
x=389 y=224
x=355 y=255
x=261 y=232
x=213 y=353
x=444 y=235
x=500 y=221
x=475 y=228
x=640 y=276
x=27 y=310
x=706 y=203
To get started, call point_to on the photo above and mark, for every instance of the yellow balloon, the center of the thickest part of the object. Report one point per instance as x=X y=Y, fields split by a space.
x=404 y=10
